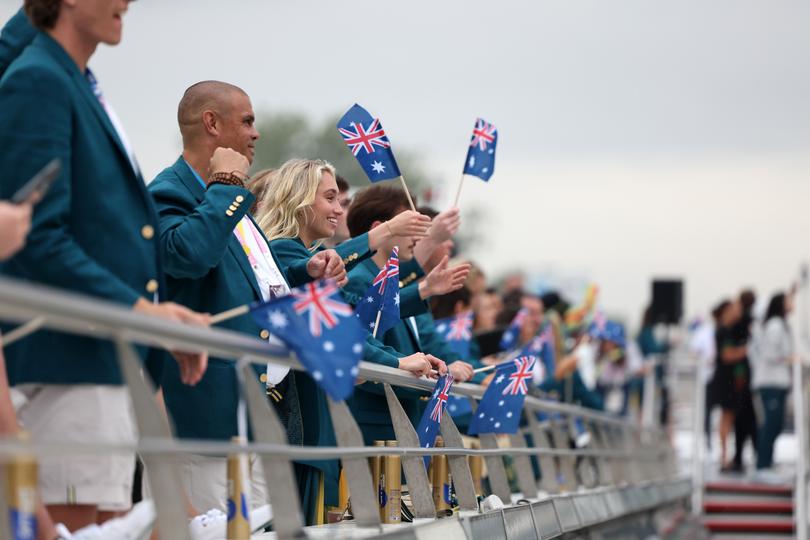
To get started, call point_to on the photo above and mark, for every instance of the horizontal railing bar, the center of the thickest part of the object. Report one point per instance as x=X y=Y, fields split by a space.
x=69 y=312
x=9 y=448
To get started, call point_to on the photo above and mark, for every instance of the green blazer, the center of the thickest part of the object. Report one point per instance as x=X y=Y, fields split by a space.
x=208 y=271
x=17 y=34
x=93 y=233
x=368 y=403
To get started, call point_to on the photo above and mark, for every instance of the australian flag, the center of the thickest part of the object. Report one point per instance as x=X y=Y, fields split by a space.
x=429 y=425
x=382 y=298
x=481 y=155
x=457 y=332
x=365 y=137
x=314 y=321
x=542 y=346
x=510 y=337
x=500 y=408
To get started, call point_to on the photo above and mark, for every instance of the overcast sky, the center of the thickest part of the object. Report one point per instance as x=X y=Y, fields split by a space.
x=637 y=138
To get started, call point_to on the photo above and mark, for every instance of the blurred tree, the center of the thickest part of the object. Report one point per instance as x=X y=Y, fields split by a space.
x=291 y=135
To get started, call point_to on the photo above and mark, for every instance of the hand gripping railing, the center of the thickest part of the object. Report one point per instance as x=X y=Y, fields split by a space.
x=620 y=453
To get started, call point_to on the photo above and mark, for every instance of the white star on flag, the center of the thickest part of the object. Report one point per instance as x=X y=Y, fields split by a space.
x=369 y=299
x=485 y=170
x=500 y=403
x=328 y=346
x=499 y=380
x=491 y=151
x=317 y=375
x=277 y=319
x=509 y=414
x=354 y=371
x=357 y=348
x=378 y=167
x=472 y=161
x=396 y=299
x=339 y=372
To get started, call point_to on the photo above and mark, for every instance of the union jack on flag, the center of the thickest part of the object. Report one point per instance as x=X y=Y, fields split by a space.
x=484 y=134
x=378 y=310
x=389 y=273
x=316 y=300
x=358 y=138
x=314 y=322
x=441 y=399
x=517 y=379
x=481 y=154
x=457 y=332
x=431 y=420
x=368 y=142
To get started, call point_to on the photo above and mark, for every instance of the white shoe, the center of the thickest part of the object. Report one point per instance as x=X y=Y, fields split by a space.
x=136 y=525
x=213 y=525
x=770 y=476
x=493 y=502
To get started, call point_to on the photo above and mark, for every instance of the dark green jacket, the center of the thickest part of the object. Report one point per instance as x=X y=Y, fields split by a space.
x=93 y=231
x=368 y=404
x=17 y=34
x=208 y=271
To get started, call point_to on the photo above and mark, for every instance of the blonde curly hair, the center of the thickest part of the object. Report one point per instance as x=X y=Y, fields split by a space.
x=286 y=202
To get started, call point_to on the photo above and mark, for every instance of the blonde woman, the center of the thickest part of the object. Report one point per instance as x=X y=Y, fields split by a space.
x=299 y=209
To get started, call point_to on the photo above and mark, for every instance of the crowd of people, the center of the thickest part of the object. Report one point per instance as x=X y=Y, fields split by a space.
x=202 y=237
x=747 y=363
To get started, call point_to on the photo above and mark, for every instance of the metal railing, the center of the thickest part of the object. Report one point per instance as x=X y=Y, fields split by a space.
x=801 y=385
x=620 y=454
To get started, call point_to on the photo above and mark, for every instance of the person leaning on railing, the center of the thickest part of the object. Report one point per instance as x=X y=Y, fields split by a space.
x=92 y=233
x=300 y=208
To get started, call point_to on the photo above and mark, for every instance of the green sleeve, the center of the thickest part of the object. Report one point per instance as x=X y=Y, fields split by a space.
x=193 y=240
x=293 y=257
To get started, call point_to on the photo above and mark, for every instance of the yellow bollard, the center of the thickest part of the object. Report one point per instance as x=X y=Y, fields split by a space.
x=390 y=488
x=21 y=494
x=440 y=478
x=238 y=489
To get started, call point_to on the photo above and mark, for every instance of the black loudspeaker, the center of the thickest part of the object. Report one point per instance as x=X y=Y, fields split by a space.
x=667 y=300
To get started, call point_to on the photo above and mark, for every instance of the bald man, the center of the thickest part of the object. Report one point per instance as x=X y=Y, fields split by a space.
x=215 y=258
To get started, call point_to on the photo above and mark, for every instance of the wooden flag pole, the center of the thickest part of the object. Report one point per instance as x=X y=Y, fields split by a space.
x=408 y=193
x=23 y=330
x=485 y=368
x=376 y=324
x=458 y=193
x=230 y=314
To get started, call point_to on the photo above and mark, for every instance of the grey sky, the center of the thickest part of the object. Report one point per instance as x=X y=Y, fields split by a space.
x=657 y=138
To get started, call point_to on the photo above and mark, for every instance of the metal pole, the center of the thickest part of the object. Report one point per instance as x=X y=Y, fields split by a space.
x=698 y=442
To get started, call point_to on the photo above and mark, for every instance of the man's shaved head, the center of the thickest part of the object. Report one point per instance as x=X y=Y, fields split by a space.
x=200 y=97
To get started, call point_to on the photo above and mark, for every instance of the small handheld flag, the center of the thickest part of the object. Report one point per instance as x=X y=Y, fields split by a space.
x=481 y=154
x=366 y=138
x=367 y=141
x=315 y=322
x=431 y=420
x=510 y=337
x=500 y=408
x=542 y=346
x=598 y=325
x=457 y=332
x=480 y=160
x=379 y=308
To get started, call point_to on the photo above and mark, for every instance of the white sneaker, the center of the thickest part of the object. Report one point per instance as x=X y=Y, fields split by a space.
x=136 y=525
x=213 y=525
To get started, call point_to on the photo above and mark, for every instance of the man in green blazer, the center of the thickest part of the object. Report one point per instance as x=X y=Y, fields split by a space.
x=216 y=258
x=93 y=233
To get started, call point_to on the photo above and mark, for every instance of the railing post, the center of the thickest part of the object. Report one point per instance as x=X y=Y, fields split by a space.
x=162 y=471
x=548 y=470
x=459 y=466
x=363 y=494
x=648 y=401
x=278 y=471
x=495 y=469
x=800 y=423
x=414 y=466
x=698 y=441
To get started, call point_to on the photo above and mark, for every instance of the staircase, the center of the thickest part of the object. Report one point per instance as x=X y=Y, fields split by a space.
x=740 y=509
